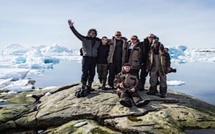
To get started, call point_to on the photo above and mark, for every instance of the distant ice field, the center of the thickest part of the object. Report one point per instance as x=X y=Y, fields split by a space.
x=55 y=65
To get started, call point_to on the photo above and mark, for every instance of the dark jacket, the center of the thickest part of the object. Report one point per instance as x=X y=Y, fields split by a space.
x=89 y=45
x=103 y=51
x=112 y=50
x=164 y=58
x=129 y=80
x=134 y=57
x=145 y=45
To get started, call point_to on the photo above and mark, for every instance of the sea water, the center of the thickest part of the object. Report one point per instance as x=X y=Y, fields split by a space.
x=198 y=78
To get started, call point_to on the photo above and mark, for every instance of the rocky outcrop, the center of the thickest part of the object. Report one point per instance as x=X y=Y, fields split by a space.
x=59 y=111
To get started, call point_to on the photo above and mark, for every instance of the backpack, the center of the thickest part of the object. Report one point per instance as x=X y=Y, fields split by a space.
x=82 y=92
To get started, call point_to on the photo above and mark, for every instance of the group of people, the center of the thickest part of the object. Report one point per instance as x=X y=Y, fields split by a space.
x=124 y=64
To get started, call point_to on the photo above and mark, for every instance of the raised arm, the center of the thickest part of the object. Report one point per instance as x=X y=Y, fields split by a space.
x=76 y=33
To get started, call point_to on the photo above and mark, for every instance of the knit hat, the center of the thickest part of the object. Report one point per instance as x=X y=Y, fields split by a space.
x=127 y=64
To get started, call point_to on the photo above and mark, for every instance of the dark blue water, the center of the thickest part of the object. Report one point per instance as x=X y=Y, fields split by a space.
x=198 y=77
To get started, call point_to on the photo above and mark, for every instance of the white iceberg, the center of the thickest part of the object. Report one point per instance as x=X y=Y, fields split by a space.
x=18 y=61
x=175 y=83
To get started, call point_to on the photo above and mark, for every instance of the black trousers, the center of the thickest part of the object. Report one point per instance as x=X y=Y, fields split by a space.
x=135 y=72
x=114 y=69
x=88 y=69
x=143 y=75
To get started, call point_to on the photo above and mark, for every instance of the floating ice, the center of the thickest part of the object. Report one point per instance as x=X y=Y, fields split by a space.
x=182 y=54
x=18 y=61
x=175 y=83
x=13 y=74
x=19 y=86
x=5 y=82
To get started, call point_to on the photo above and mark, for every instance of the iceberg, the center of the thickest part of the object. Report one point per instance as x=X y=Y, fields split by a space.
x=175 y=83
x=181 y=54
x=17 y=61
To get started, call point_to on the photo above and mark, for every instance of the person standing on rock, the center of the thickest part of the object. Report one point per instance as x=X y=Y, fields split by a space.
x=135 y=57
x=90 y=44
x=146 y=45
x=102 y=65
x=126 y=85
x=158 y=65
x=116 y=56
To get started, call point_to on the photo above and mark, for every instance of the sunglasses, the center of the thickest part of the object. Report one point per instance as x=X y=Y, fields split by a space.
x=133 y=39
x=118 y=35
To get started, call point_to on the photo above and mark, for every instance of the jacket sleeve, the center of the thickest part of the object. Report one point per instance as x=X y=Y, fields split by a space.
x=168 y=60
x=110 y=51
x=149 y=59
x=136 y=83
x=117 y=80
x=76 y=33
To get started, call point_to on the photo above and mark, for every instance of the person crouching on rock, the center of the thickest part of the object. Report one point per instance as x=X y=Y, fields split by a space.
x=126 y=84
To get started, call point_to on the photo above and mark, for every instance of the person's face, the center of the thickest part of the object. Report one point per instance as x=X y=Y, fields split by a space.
x=150 y=38
x=133 y=40
x=104 y=41
x=118 y=35
x=93 y=34
x=127 y=68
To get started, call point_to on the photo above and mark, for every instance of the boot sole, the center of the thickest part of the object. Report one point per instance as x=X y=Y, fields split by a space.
x=146 y=102
x=124 y=103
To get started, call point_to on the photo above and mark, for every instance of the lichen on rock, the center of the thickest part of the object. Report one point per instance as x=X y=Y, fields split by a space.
x=102 y=112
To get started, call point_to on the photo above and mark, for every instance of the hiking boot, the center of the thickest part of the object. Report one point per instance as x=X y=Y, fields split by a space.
x=142 y=103
x=152 y=90
x=162 y=96
x=90 y=88
x=104 y=88
x=163 y=91
x=84 y=83
x=125 y=103
x=103 y=85
x=151 y=93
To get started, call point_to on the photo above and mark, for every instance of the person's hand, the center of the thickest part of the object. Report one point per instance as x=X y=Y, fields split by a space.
x=70 y=23
x=169 y=69
x=133 y=90
x=121 y=85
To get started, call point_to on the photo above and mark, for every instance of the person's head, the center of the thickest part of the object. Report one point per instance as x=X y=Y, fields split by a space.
x=126 y=67
x=92 y=33
x=151 y=37
x=104 y=40
x=134 y=39
x=118 y=35
x=166 y=50
x=155 y=43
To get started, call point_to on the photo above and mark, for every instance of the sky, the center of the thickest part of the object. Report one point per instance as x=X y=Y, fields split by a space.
x=45 y=22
